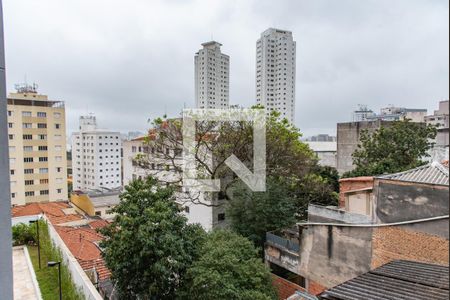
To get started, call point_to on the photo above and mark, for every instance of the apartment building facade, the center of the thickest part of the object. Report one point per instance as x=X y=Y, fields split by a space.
x=37 y=147
x=212 y=77
x=96 y=157
x=276 y=72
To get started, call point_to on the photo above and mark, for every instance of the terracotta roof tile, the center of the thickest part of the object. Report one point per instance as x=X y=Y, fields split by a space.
x=98 y=224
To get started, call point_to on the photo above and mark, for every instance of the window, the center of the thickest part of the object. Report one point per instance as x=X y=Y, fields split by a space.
x=10 y=125
x=57 y=115
x=29 y=182
x=57 y=126
x=221 y=217
x=10 y=113
x=41 y=114
x=27 y=136
x=41 y=125
x=44 y=192
x=58 y=158
x=57 y=137
x=42 y=148
x=186 y=209
x=28 y=159
x=43 y=170
x=42 y=136
x=98 y=213
x=12 y=161
x=42 y=159
x=59 y=191
x=43 y=181
x=11 y=136
x=12 y=172
x=28 y=171
x=27 y=125
x=58 y=169
x=27 y=148
x=59 y=180
x=29 y=194
x=13 y=195
x=26 y=114
x=58 y=148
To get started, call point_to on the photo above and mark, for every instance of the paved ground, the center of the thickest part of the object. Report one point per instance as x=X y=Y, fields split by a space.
x=23 y=283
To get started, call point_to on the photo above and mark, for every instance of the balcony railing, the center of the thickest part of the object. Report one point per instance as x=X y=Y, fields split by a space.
x=282 y=242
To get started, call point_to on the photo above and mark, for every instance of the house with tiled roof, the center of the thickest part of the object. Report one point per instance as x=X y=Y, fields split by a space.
x=79 y=236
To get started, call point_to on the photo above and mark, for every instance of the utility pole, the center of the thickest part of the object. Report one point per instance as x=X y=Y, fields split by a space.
x=6 y=273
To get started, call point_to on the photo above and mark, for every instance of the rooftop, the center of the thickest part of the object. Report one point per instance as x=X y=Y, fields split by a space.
x=56 y=212
x=432 y=173
x=399 y=279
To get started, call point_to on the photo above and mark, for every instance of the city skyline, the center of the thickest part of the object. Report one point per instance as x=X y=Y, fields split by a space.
x=346 y=54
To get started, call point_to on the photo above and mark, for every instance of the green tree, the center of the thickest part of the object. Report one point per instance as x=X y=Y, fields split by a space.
x=228 y=268
x=390 y=149
x=149 y=246
x=252 y=214
x=330 y=174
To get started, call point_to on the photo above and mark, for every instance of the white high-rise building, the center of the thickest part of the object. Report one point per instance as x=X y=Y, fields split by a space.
x=212 y=77
x=275 y=72
x=96 y=157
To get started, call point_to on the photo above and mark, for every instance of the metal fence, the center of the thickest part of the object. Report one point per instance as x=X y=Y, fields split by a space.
x=282 y=242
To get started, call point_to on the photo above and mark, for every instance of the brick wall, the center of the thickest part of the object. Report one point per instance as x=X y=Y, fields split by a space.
x=390 y=243
x=351 y=184
x=284 y=287
x=315 y=288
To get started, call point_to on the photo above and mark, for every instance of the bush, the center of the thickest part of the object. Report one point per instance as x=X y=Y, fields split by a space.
x=24 y=234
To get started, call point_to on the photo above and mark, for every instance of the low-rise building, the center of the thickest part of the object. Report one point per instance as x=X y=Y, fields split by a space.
x=325 y=151
x=378 y=220
x=96 y=203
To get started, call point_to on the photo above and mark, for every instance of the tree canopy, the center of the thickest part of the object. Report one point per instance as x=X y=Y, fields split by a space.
x=149 y=245
x=395 y=148
x=252 y=214
x=228 y=268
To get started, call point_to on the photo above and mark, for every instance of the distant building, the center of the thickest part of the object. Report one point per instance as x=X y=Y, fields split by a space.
x=212 y=77
x=440 y=117
x=321 y=138
x=390 y=113
x=325 y=151
x=96 y=157
x=276 y=72
x=362 y=113
x=96 y=203
x=37 y=147
x=348 y=136
x=401 y=216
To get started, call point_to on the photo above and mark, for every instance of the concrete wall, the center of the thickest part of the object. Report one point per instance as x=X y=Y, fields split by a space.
x=399 y=201
x=79 y=277
x=331 y=255
x=317 y=213
x=348 y=135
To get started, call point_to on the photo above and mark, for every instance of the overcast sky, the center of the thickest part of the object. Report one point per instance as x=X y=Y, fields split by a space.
x=130 y=60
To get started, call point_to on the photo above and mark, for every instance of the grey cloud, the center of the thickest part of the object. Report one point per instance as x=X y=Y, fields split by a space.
x=128 y=61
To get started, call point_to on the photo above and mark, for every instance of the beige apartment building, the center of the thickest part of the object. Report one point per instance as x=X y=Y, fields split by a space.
x=37 y=147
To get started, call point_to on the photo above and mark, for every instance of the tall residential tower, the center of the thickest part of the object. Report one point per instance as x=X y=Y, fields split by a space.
x=212 y=77
x=275 y=72
x=37 y=147
x=96 y=158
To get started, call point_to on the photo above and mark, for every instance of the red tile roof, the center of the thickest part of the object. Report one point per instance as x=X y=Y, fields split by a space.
x=53 y=211
x=81 y=241
x=98 y=224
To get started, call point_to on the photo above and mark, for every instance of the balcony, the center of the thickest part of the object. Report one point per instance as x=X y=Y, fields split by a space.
x=283 y=249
